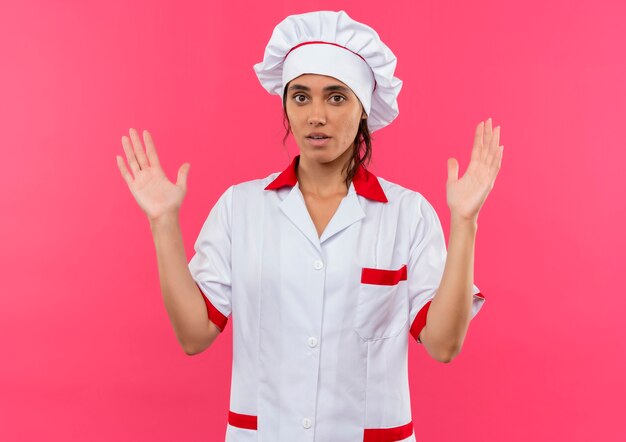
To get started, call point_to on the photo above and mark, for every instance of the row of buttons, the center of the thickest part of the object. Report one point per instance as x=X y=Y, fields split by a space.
x=312 y=341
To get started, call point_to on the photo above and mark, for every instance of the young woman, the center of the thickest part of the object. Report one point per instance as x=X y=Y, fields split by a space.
x=326 y=268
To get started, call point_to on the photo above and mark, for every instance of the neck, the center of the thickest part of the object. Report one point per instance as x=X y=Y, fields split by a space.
x=323 y=179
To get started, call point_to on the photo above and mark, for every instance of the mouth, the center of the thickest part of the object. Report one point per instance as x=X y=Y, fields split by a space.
x=318 y=140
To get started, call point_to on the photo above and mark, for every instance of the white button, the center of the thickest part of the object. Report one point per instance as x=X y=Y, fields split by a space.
x=306 y=422
x=312 y=341
x=318 y=264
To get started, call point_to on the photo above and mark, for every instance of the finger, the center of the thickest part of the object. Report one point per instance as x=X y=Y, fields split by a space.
x=496 y=138
x=150 y=149
x=478 y=141
x=138 y=149
x=183 y=171
x=494 y=165
x=130 y=155
x=123 y=170
x=499 y=157
x=453 y=169
x=486 y=139
x=493 y=146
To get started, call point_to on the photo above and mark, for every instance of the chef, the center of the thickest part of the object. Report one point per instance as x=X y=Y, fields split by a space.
x=327 y=270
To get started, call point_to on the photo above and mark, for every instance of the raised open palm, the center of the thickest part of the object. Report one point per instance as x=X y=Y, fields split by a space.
x=155 y=194
x=467 y=195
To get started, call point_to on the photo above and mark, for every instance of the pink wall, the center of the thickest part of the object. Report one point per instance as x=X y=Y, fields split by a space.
x=87 y=349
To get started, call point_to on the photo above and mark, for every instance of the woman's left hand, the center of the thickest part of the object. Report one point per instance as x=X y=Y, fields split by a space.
x=466 y=196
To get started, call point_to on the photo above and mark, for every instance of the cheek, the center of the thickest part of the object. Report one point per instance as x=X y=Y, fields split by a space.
x=350 y=129
x=293 y=116
x=290 y=119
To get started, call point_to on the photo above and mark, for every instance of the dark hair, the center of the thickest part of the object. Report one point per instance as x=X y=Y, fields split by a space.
x=361 y=146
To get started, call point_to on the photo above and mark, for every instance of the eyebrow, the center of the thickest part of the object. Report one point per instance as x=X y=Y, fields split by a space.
x=301 y=87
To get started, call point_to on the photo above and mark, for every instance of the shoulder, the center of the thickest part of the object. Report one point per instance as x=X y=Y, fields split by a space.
x=405 y=198
x=254 y=187
x=419 y=214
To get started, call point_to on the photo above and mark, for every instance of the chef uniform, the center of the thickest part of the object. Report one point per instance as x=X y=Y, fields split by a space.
x=321 y=324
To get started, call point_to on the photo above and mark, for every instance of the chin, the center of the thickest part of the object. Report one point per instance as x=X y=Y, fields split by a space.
x=324 y=155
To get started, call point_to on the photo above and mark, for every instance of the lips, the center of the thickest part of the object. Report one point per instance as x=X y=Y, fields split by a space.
x=318 y=142
x=317 y=135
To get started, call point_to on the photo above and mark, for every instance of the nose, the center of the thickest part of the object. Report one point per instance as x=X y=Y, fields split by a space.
x=317 y=115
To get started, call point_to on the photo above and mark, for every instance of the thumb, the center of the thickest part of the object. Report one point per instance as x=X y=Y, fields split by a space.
x=453 y=169
x=183 y=171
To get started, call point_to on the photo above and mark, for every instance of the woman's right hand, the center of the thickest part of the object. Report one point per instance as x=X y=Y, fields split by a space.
x=155 y=194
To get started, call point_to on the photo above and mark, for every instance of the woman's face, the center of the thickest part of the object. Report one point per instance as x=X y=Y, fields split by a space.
x=322 y=104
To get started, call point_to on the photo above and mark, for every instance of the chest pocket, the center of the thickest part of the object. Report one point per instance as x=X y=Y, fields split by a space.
x=382 y=305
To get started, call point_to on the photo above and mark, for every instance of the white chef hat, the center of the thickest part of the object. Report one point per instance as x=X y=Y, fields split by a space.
x=331 y=43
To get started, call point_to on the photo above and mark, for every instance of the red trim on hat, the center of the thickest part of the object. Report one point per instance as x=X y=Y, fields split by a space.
x=383 y=276
x=215 y=315
x=245 y=421
x=365 y=183
x=388 y=434
x=328 y=43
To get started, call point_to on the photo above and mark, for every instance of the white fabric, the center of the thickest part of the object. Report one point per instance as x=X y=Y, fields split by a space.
x=333 y=61
x=340 y=29
x=302 y=345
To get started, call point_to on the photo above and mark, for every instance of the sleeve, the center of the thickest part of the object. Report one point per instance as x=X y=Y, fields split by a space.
x=210 y=266
x=427 y=259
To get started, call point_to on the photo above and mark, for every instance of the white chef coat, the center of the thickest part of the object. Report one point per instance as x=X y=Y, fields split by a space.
x=321 y=324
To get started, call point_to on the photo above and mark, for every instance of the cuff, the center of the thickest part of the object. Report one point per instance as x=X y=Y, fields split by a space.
x=419 y=322
x=215 y=316
x=420 y=319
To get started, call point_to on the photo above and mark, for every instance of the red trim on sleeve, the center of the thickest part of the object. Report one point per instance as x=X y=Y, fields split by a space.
x=420 y=319
x=245 y=421
x=388 y=434
x=215 y=315
x=419 y=322
x=383 y=276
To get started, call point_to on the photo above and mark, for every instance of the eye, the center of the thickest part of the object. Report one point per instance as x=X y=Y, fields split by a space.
x=295 y=97
x=340 y=96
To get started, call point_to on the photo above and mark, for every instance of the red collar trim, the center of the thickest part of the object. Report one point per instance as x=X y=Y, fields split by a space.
x=365 y=183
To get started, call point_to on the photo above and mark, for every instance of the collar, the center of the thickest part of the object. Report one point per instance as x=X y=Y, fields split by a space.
x=365 y=183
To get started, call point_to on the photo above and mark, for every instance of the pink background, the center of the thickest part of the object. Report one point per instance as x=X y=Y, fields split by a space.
x=87 y=349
